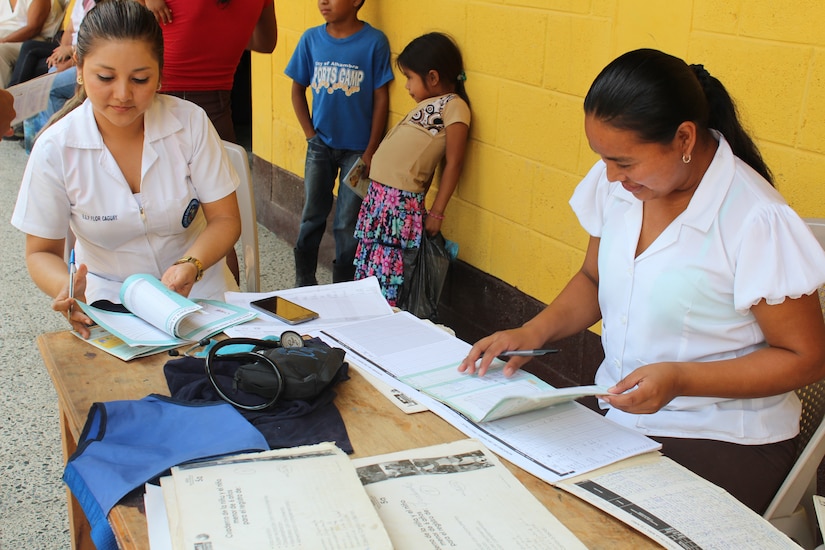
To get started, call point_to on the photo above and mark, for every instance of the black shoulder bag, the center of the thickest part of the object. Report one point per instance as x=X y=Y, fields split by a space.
x=276 y=372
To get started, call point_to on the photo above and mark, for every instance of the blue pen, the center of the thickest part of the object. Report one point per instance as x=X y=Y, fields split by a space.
x=72 y=270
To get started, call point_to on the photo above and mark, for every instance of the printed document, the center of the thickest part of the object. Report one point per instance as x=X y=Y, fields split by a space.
x=31 y=97
x=160 y=318
x=552 y=443
x=458 y=495
x=675 y=507
x=303 y=497
x=336 y=304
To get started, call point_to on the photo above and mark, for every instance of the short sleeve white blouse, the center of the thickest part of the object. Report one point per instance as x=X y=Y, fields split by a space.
x=72 y=180
x=687 y=297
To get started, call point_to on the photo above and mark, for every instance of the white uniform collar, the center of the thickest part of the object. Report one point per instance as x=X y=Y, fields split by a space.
x=82 y=131
x=707 y=199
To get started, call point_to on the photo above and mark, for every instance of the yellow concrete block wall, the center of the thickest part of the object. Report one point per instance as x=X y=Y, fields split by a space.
x=529 y=64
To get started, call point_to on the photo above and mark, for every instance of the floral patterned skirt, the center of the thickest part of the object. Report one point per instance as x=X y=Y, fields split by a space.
x=390 y=221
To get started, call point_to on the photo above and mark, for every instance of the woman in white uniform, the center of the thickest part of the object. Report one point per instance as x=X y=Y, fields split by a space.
x=141 y=179
x=703 y=277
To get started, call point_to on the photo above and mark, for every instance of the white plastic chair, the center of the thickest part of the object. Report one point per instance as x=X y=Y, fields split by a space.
x=791 y=510
x=249 y=220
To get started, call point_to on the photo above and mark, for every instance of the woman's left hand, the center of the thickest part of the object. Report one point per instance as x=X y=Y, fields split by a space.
x=180 y=278
x=647 y=389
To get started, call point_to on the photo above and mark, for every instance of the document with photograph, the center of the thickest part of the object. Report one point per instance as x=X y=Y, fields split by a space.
x=458 y=495
x=358 y=178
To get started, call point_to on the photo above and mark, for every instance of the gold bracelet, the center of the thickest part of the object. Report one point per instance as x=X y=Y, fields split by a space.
x=194 y=261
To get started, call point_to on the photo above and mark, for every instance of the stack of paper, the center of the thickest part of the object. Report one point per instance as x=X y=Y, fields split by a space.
x=456 y=495
x=306 y=497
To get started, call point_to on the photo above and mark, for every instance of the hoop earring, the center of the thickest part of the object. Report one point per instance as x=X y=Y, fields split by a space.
x=686 y=158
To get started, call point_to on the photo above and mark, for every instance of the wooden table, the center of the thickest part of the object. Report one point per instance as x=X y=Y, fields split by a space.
x=82 y=375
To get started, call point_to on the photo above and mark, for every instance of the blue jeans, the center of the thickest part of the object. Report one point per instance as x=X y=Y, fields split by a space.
x=63 y=87
x=323 y=165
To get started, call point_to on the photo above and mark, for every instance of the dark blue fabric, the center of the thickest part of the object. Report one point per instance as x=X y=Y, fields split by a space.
x=286 y=424
x=124 y=444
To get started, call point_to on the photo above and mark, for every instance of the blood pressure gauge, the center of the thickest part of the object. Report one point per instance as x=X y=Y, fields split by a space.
x=291 y=339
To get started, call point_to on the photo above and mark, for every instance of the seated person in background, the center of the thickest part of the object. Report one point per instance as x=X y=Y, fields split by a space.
x=31 y=61
x=199 y=67
x=22 y=20
x=60 y=60
x=704 y=278
x=141 y=179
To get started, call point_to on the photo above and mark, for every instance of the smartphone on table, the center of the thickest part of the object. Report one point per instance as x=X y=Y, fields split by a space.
x=284 y=310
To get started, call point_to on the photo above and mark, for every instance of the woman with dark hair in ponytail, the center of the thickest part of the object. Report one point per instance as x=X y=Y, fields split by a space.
x=141 y=179
x=703 y=277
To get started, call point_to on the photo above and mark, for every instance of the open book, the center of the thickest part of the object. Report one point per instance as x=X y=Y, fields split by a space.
x=552 y=443
x=159 y=318
x=480 y=399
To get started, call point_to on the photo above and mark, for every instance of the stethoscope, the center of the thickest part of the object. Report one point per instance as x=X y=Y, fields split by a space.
x=288 y=339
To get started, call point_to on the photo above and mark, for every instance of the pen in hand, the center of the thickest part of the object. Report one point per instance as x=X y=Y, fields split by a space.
x=505 y=355
x=72 y=271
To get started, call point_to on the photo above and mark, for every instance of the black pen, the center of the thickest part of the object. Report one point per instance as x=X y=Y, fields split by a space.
x=525 y=353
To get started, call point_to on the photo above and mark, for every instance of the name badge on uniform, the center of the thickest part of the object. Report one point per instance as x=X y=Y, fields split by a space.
x=190 y=213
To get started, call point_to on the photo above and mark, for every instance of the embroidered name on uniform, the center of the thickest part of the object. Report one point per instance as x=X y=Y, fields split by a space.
x=89 y=218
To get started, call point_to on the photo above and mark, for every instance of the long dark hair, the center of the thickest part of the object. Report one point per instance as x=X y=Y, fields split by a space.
x=435 y=52
x=112 y=20
x=651 y=93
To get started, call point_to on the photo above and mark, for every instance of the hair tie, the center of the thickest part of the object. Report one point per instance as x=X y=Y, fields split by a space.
x=701 y=73
x=462 y=76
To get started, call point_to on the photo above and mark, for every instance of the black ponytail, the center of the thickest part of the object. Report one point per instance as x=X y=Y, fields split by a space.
x=723 y=116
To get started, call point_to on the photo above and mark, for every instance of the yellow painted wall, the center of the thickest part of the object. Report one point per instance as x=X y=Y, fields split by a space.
x=529 y=64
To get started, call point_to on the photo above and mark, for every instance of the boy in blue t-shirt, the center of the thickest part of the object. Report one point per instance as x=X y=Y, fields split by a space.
x=346 y=63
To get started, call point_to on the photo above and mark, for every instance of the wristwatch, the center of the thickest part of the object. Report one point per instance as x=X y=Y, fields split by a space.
x=194 y=261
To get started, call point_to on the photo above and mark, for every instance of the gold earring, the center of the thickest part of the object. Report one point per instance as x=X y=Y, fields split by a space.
x=686 y=158
x=80 y=80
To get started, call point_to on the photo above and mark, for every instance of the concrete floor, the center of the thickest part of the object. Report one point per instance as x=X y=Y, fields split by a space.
x=32 y=494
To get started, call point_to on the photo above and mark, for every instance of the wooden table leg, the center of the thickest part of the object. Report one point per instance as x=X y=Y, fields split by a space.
x=80 y=531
